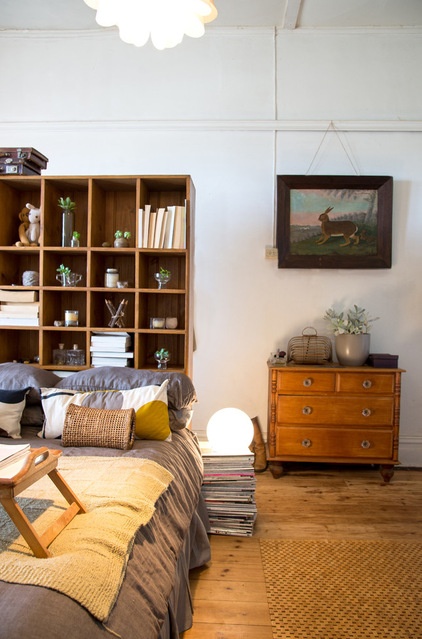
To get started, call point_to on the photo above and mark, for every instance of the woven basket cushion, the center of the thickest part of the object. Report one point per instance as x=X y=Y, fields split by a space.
x=99 y=427
x=12 y=404
x=148 y=402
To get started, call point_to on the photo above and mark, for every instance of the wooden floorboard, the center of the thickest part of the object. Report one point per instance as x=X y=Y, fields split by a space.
x=312 y=501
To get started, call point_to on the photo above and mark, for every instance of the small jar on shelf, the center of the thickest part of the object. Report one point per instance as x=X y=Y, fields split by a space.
x=111 y=278
x=75 y=356
x=59 y=355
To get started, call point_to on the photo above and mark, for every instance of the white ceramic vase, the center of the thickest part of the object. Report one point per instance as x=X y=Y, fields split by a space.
x=352 y=350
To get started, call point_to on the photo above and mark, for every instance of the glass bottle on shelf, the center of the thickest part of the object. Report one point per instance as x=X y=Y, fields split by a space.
x=59 y=355
x=75 y=356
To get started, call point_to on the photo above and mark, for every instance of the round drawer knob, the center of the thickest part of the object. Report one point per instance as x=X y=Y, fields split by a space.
x=307 y=382
x=306 y=410
x=306 y=443
x=365 y=444
x=366 y=412
x=367 y=383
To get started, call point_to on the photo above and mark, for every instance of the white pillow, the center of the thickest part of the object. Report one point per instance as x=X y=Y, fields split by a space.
x=149 y=402
x=12 y=403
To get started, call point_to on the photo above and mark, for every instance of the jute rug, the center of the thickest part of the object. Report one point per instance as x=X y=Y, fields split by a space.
x=90 y=555
x=343 y=589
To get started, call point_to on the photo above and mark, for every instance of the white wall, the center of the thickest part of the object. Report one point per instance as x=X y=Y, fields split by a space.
x=208 y=108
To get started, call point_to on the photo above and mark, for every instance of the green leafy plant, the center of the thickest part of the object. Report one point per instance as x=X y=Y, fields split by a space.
x=164 y=272
x=64 y=270
x=162 y=353
x=66 y=204
x=354 y=321
x=76 y=235
x=119 y=234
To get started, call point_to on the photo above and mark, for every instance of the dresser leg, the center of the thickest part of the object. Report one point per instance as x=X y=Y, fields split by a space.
x=387 y=472
x=276 y=469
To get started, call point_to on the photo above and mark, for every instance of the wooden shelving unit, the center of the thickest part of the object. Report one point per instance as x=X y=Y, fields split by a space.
x=103 y=205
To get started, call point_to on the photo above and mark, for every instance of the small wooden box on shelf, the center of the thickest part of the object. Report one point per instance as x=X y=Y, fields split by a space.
x=104 y=204
x=334 y=414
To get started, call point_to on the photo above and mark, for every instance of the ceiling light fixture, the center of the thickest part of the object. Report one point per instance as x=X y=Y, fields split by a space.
x=166 y=21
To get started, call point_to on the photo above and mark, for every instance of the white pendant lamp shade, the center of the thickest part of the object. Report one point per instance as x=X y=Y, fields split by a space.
x=166 y=21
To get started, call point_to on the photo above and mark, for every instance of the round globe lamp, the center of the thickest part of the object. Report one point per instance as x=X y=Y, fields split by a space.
x=230 y=430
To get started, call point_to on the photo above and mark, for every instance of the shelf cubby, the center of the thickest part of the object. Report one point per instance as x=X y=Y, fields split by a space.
x=175 y=344
x=121 y=259
x=75 y=188
x=100 y=316
x=20 y=344
x=75 y=259
x=69 y=337
x=162 y=304
x=15 y=261
x=56 y=302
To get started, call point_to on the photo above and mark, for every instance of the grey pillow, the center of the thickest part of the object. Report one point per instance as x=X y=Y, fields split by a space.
x=181 y=391
x=17 y=376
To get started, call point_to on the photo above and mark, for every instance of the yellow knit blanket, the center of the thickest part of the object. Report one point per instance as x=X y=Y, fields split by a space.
x=90 y=555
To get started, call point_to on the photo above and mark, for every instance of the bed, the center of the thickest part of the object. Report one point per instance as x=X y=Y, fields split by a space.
x=153 y=601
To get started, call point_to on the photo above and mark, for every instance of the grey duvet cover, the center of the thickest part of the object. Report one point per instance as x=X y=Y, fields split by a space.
x=154 y=600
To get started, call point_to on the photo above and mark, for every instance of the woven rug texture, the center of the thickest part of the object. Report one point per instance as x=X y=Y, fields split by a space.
x=90 y=555
x=343 y=589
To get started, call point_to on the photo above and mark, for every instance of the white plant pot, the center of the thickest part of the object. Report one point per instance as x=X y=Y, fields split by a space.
x=352 y=350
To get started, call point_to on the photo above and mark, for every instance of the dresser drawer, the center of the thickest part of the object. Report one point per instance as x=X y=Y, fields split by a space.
x=313 y=382
x=308 y=409
x=305 y=441
x=368 y=383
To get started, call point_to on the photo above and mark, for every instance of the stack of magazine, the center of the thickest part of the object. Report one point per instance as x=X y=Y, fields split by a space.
x=229 y=491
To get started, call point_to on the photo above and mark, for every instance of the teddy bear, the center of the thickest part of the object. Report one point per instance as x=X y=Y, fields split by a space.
x=29 y=229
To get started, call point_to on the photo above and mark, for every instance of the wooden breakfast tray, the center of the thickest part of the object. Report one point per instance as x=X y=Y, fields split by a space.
x=40 y=462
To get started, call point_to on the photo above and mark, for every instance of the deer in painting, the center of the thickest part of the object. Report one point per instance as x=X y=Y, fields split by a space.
x=336 y=228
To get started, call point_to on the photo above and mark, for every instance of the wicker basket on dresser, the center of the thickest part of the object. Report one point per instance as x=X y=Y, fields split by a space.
x=335 y=414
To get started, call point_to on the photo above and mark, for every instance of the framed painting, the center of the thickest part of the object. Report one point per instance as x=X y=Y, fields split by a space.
x=341 y=221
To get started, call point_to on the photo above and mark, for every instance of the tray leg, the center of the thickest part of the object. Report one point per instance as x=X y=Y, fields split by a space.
x=25 y=528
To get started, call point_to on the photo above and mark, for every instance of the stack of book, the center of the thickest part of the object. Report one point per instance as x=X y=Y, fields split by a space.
x=164 y=228
x=229 y=491
x=111 y=349
x=19 y=308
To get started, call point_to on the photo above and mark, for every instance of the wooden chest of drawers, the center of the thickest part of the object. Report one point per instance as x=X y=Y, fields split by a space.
x=334 y=414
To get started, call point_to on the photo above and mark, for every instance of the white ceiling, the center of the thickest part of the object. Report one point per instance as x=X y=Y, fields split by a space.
x=75 y=14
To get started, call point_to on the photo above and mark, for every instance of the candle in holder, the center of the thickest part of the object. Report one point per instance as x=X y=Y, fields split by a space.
x=157 y=322
x=71 y=318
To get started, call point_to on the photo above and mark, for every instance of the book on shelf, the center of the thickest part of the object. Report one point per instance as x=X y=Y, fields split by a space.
x=151 y=229
x=140 y=229
x=179 y=236
x=145 y=220
x=114 y=338
x=9 y=295
x=158 y=228
x=169 y=228
x=164 y=228
x=98 y=352
x=10 y=309
x=11 y=453
x=18 y=321
x=110 y=361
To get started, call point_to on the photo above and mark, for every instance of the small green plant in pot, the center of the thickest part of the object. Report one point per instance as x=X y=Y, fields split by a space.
x=68 y=207
x=352 y=334
x=121 y=239
x=162 y=276
x=162 y=356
